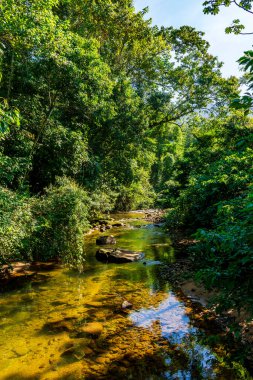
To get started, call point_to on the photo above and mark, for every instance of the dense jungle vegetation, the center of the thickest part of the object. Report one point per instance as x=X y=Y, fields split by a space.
x=101 y=110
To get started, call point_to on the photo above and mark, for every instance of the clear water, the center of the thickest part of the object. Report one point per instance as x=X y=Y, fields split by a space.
x=43 y=325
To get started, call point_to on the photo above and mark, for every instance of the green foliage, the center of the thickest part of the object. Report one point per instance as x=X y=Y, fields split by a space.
x=139 y=195
x=46 y=228
x=215 y=174
x=225 y=253
x=102 y=201
x=61 y=221
x=16 y=226
x=213 y=6
x=246 y=101
x=102 y=111
x=14 y=165
x=64 y=153
x=224 y=179
x=8 y=118
x=93 y=80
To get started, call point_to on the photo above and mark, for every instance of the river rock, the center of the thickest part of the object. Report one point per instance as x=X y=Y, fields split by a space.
x=103 y=240
x=20 y=348
x=92 y=328
x=118 y=255
x=57 y=326
x=118 y=224
x=103 y=222
x=126 y=305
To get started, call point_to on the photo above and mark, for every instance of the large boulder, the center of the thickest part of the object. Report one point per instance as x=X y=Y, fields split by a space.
x=118 y=255
x=103 y=240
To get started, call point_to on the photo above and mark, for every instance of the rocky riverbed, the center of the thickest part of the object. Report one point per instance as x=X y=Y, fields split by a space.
x=113 y=321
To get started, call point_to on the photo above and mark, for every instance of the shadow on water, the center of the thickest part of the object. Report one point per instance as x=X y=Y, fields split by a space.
x=69 y=325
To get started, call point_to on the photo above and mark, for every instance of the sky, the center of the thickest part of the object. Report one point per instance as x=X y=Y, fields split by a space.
x=227 y=47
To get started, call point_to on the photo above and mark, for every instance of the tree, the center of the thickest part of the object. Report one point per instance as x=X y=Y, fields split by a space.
x=246 y=62
x=213 y=7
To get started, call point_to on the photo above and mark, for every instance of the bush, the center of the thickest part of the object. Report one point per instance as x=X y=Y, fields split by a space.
x=134 y=197
x=102 y=200
x=61 y=220
x=16 y=226
x=224 y=254
x=226 y=179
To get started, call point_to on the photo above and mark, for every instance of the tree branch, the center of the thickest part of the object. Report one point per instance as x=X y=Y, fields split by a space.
x=170 y=119
x=240 y=6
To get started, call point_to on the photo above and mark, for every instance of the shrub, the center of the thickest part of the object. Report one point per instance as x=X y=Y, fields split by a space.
x=102 y=200
x=16 y=226
x=225 y=179
x=137 y=195
x=224 y=255
x=61 y=220
x=134 y=197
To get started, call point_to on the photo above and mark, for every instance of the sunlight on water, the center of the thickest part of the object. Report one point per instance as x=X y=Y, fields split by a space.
x=66 y=325
x=175 y=326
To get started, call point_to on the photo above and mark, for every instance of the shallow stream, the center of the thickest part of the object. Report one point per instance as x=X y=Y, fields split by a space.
x=67 y=325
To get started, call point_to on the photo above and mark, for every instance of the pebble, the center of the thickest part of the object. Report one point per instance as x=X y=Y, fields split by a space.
x=126 y=305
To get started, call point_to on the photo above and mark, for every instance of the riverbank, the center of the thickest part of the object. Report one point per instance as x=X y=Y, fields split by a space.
x=236 y=325
x=22 y=272
x=17 y=273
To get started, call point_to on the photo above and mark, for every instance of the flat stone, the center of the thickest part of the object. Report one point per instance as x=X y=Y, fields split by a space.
x=88 y=351
x=101 y=360
x=118 y=255
x=92 y=328
x=61 y=325
x=21 y=350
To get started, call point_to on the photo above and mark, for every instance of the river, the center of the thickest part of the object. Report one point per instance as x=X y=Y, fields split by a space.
x=69 y=325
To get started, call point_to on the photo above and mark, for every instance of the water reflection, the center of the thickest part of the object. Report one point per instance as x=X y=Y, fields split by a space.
x=175 y=325
x=44 y=325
